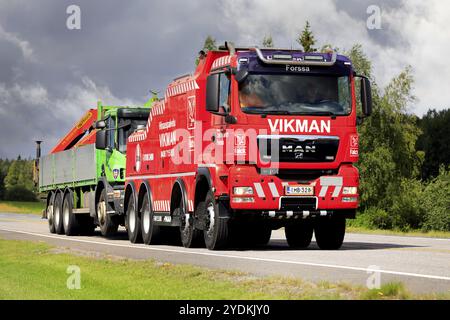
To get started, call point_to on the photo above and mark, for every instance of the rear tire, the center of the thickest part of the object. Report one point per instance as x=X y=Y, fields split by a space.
x=70 y=220
x=216 y=228
x=50 y=215
x=108 y=225
x=151 y=234
x=133 y=222
x=190 y=237
x=330 y=233
x=299 y=235
x=57 y=213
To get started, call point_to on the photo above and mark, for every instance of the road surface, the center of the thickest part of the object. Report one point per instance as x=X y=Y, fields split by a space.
x=422 y=264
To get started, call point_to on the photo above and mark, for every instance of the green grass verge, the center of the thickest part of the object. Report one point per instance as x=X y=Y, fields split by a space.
x=32 y=270
x=413 y=233
x=22 y=207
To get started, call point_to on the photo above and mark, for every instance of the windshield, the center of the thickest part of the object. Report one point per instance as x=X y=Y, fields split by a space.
x=295 y=94
x=126 y=127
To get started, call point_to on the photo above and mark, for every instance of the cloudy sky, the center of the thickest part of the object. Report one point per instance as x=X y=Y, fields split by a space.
x=50 y=75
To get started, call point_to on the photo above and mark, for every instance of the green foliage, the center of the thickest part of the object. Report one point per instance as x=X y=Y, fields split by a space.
x=4 y=166
x=17 y=183
x=306 y=39
x=436 y=202
x=407 y=211
x=434 y=141
x=19 y=193
x=208 y=45
x=268 y=42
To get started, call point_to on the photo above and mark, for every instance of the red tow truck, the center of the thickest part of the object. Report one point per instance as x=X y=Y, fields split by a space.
x=254 y=140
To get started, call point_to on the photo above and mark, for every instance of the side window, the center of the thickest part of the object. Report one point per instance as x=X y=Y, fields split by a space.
x=111 y=125
x=224 y=93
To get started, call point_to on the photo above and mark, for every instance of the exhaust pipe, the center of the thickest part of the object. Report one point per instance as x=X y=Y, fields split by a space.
x=36 y=163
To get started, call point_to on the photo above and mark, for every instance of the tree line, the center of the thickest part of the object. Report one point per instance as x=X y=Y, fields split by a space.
x=16 y=180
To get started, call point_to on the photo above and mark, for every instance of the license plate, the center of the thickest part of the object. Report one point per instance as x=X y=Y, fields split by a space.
x=299 y=190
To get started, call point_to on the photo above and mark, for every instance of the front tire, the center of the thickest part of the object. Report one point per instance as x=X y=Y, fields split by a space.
x=57 y=213
x=190 y=237
x=108 y=226
x=299 y=235
x=330 y=233
x=216 y=228
x=133 y=222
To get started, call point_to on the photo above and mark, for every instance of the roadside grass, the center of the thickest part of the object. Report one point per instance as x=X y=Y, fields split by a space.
x=411 y=233
x=31 y=270
x=22 y=207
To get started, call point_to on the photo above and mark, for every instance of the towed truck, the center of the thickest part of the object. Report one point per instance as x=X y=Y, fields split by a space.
x=83 y=181
x=254 y=140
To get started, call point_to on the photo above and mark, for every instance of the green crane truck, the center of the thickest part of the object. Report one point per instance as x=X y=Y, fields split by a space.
x=83 y=181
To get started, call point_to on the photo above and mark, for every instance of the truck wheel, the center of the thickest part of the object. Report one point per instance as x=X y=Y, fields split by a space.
x=50 y=215
x=299 y=235
x=260 y=236
x=70 y=220
x=57 y=214
x=108 y=226
x=133 y=223
x=216 y=228
x=330 y=233
x=151 y=233
x=190 y=237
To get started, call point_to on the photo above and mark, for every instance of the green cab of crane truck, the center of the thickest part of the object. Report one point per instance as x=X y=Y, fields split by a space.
x=113 y=128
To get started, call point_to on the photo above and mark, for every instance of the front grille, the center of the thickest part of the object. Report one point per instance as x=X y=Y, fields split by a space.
x=298 y=203
x=298 y=148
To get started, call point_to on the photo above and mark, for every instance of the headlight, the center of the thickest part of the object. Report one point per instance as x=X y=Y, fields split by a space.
x=350 y=190
x=349 y=199
x=241 y=191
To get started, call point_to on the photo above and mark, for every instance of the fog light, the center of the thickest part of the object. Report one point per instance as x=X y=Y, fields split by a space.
x=241 y=191
x=350 y=190
x=349 y=199
x=243 y=200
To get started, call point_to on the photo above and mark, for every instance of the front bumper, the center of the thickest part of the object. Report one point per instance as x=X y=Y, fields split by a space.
x=269 y=195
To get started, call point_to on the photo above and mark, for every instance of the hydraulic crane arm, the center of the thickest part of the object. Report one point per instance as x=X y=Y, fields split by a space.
x=77 y=132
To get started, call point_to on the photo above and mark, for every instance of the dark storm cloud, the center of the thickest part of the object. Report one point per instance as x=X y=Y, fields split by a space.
x=357 y=9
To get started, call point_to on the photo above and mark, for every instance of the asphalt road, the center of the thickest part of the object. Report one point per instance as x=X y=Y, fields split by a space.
x=422 y=264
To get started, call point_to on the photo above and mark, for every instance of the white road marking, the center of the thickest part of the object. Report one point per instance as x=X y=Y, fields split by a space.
x=211 y=254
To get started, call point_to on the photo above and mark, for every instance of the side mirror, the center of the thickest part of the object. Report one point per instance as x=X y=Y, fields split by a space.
x=241 y=75
x=101 y=124
x=100 y=140
x=366 y=96
x=212 y=93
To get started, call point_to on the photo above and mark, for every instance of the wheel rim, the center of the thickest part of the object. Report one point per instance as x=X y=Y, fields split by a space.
x=101 y=212
x=57 y=217
x=66 y=216
x=132 y=221
x=185 y=223
x=210 y=216
x=146 y=219
x=50 y=214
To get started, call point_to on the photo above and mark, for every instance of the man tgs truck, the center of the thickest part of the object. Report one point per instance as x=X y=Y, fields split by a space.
x=254 y=140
